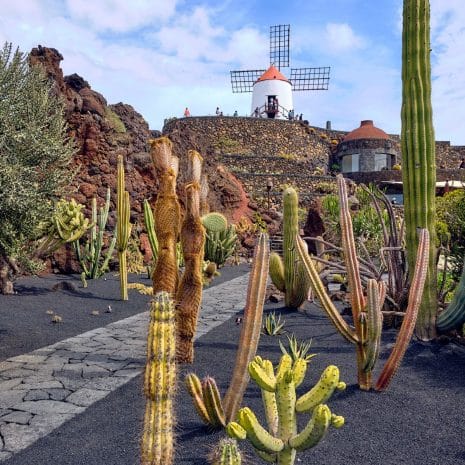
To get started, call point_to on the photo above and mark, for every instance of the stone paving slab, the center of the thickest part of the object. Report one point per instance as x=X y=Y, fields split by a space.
x=41 y=390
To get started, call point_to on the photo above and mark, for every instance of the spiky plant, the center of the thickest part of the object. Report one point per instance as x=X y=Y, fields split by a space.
x=273 y=324
x=157 y=445
x=366 y=312
x=418 y=152
x=297 y=349
x=280 y=442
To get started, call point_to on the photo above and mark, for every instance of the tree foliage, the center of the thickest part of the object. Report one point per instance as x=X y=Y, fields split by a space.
x=34 y=151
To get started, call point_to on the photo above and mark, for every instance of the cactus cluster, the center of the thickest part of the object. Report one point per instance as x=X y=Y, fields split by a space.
x=159 y=384
x=226 y=452
x=93 y=261
x=123 y=228
x=220 y=239
x=67 y=224
x=287 y=274
x=280 y=441
x=366 y=311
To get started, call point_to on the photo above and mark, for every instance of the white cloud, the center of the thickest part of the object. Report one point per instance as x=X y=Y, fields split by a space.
x=120 y=15
x=341 y=38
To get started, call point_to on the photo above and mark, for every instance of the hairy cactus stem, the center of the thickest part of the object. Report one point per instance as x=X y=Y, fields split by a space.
x=408 y=323
x=251 y=327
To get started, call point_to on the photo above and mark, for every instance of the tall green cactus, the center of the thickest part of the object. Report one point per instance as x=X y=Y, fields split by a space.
x=93 y=263
x=150 y=227
x=418 y=151
x=281 y=441
x=159 y=383
x=366 y=312
x=288 y=276
x=212 y=409
x=123 y=228
x=454 y=315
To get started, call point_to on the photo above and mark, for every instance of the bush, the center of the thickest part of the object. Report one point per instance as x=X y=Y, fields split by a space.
x=34 y=156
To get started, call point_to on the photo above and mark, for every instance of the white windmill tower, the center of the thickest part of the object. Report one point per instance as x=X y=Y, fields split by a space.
x=272 y=90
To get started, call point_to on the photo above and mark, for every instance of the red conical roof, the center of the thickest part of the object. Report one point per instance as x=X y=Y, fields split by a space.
x=366 y=131
x=272 y=73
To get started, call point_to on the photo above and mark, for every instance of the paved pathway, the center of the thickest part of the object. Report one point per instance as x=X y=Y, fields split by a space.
x=41 y=390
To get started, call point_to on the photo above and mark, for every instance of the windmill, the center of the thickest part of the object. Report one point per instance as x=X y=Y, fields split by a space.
x=271 y=89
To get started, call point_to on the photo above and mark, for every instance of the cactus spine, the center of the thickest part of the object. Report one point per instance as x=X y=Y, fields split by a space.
x=123 y=228
x=159 y=383
x=366 y=313
x=90 y=256
x=226 y=453
x=418 y=150
x=289 y=276
x=281 y=441
x=167 y=214
x=212 y=412
x=189 y=293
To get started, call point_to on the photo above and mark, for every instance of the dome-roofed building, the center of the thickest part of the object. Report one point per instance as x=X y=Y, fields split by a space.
x=366 y=149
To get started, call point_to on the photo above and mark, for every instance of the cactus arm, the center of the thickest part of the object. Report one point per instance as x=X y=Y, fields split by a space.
x=269 y=402
x=299 y=369
x=213 y=403
x=266 y=456
x=261 y=377
x=284 y=365
x=234 y=430
x=159 y=384
x=349 y=250
x=374 y=325
x=454 y=315
x=258 y=436
x=408 y=324
x=346 y=331
x=194 y=387
x=251 y=327
x=150 y=226
x=277 y=271
x=321 y=392
x=315 y=430
x=418 y=151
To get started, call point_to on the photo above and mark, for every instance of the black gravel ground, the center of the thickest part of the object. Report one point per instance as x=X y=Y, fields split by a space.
x=419 y=420
x=25 y=324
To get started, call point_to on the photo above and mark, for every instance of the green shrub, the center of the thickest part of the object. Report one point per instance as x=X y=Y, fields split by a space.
x=114 y=121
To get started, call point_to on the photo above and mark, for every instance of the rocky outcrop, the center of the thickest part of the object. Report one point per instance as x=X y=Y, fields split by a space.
x=101 y=132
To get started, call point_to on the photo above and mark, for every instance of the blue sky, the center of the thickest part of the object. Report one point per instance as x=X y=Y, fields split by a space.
x=163 y=55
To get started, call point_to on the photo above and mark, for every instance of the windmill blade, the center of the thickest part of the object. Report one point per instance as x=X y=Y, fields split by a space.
x=243 y=81
x=279 y=45
x=310 y=78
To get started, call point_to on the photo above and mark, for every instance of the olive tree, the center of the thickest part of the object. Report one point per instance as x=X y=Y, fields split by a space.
x=35 y=153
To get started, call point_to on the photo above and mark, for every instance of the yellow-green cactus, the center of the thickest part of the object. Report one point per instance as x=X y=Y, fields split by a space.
x=288 y=274
x=226 y=453
x=159 y=384
x=281 y=441
x=123 y=228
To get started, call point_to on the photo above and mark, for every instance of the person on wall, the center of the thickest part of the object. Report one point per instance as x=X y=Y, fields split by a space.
x=187 y=113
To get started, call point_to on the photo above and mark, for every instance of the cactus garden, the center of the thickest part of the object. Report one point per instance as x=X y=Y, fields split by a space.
x=172 y=314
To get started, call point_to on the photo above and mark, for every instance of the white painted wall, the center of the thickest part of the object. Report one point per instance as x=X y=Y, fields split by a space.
x=282 y=90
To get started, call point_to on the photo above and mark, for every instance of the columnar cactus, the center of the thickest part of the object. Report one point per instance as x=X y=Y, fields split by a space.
x=207 y=400
x=167 y=214
x=150 y=227
x=159 y=383
x=123 y=228
x=288 y=276
x=281 y=441
x=366 y=312
x=418 y=151
x=90 y=257
x=189 y=293
x=226 y=452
